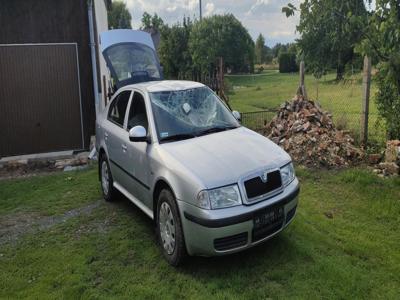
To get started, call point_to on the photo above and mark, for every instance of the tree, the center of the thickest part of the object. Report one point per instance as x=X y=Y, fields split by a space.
x=119 y=16
x=174 y=50
x=278 y=48
x=268 y=54
x=221 y=36
x=327 y=38
x=260 y=51
x=381 y=39
x=287 y=62
x=152 y=22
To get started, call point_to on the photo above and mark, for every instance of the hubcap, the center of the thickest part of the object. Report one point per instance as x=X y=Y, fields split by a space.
x=167 y=228
x=104 y=177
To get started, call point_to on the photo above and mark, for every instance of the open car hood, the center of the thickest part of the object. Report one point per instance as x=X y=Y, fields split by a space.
x=130 y=56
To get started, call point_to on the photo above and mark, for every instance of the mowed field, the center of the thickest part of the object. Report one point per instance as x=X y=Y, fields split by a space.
x=270 y=89
x=60 y=240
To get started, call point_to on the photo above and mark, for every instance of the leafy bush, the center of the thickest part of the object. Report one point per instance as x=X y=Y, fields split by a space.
x=287 y=63
x=259 y=69
x=388 y=99
x=382 y=42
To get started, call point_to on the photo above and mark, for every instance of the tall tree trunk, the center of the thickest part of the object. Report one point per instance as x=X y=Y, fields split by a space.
x=339 y=67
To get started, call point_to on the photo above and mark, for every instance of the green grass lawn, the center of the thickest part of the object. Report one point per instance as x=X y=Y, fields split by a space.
x=270 y=89
x=344 y=243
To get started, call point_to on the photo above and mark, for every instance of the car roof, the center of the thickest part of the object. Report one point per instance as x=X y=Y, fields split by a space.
x=165 y=85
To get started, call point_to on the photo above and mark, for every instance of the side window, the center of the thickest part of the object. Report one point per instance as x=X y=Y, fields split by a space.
x=117 y=111
x=137 y=112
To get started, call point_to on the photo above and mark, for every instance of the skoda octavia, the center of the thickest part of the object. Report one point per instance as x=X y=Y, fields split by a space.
x=174 y=149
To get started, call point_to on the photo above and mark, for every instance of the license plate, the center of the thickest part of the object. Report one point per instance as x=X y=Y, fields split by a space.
x=268 y=217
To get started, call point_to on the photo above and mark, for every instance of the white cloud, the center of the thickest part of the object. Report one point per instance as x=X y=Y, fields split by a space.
x=171 y=8
x=281 y=33
x=209 y=9
x=259 y=16
x=257 y=5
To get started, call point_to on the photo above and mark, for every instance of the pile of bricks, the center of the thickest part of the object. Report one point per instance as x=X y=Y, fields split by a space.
x=308 y=133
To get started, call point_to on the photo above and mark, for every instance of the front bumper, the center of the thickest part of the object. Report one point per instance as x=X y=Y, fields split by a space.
x=229 y=230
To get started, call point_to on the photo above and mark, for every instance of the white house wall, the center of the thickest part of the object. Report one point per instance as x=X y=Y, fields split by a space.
x=101 y=25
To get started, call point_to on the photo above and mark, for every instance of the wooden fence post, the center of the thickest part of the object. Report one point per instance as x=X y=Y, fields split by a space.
x=366 y=86
x=221 y=76
x=221 y=81
x=302 y=87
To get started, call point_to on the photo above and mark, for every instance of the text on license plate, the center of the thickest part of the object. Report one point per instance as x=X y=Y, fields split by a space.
x=268 y=217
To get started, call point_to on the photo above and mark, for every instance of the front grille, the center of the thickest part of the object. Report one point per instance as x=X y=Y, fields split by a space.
x=290 y=214
x=256 y=187
x=230 y=242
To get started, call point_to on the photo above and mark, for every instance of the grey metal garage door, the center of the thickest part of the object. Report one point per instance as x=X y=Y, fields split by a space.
x=40 y=105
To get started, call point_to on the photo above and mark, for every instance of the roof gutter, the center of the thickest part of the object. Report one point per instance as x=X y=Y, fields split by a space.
x=93 y=56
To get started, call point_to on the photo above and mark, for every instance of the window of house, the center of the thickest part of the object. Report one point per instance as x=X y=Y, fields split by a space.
x=117 y=111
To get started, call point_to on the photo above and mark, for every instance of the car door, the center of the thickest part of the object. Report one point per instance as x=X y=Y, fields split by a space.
x=116 y=136
x=138 y=163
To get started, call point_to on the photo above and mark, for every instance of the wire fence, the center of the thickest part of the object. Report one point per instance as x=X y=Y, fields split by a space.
x=257 y=120
x=343 y=99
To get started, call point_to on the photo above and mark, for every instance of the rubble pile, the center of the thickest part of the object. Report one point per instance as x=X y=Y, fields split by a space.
x=391 y=164
x=307 y=132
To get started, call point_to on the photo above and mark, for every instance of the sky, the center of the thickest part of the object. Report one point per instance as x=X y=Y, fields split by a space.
x=258 y=16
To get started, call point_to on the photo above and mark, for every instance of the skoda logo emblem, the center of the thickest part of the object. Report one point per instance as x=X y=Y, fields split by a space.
x=264 y=177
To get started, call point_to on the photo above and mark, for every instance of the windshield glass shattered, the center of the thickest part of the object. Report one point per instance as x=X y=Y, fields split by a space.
x=189 y=113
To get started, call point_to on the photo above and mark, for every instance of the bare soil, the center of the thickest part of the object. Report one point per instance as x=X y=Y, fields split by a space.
x=13 y=226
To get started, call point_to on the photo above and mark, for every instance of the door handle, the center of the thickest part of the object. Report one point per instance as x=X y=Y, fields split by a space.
x=124 y=148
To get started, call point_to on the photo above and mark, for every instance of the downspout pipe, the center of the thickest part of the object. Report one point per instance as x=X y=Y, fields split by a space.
x=93 y=56
x=93 y=152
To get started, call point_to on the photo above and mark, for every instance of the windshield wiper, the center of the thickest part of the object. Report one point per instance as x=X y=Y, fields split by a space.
x=215 y=129
x=177 y=137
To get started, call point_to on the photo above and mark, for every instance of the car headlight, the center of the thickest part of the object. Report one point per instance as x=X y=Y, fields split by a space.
x=287 y=174
x=223 y=197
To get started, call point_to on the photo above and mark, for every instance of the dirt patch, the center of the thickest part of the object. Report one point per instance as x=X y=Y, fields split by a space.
x=13 y=226
x=21 y=174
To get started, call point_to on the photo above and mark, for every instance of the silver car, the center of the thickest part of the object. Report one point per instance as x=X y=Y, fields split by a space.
x=174 y=149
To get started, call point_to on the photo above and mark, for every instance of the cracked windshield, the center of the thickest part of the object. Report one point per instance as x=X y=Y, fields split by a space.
x=190 y=113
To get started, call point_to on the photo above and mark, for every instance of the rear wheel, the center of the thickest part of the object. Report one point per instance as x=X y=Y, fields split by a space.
x=169 y=229
x=107 y=183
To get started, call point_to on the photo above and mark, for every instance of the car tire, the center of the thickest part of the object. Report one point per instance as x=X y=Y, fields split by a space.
x=106 y=180
x=169 y=229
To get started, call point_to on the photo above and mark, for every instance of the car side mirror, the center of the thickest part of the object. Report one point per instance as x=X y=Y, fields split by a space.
x=138 y=134
x=236 y=114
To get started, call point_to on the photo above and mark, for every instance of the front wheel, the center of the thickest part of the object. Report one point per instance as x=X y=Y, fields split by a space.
x=169 y=229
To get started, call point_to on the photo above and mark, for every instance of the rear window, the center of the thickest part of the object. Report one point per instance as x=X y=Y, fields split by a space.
x=130 y=60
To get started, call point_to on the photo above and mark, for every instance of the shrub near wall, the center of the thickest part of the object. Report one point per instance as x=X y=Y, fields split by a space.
x=287 y=63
